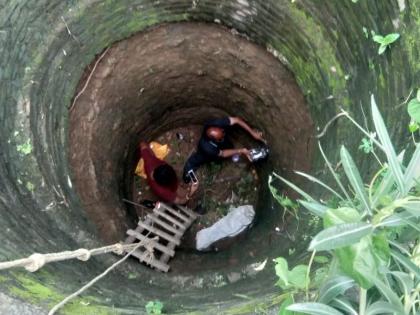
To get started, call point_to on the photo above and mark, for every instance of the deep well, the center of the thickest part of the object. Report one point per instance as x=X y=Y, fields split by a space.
x=286 y=66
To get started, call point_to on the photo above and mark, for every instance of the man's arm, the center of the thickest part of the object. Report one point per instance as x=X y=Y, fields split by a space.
x=257 y=135
x=231 y=152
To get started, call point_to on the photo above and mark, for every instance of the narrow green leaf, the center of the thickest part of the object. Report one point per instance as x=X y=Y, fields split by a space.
x=354 y=178
x=412 y=173
x=313 y=309
x=383 y=135
x=397 y=219
x=341 y=216
x=294 y=187
x=344 y=305
x=316 y=180
x=406 y=263
x=418 y=95
x=384 y=188
x=387 y=292
x=314 y=207
x=334 y=174
x=405 y=281
x=340 y=235
x=381 y=308
x=413 y=206
x=334 y=287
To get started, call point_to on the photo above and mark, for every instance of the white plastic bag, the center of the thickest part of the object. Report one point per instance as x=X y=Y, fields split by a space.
x=237 y=220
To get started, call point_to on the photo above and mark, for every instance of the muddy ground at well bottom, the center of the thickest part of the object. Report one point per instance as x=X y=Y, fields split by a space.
x=221 y=185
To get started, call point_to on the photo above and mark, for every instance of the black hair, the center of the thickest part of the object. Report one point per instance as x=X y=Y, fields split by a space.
x=165 y=175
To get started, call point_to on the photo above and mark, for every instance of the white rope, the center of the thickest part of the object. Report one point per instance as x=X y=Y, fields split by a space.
x=37 y=261
x=94 y=280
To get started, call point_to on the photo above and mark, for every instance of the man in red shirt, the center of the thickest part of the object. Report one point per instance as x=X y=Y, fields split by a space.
x=162 y=178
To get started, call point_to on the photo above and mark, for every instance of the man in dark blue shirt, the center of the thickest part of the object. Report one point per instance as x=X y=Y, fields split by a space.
x=214 y=145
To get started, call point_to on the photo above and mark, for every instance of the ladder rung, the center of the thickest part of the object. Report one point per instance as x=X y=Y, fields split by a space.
x=188 y=212
x=155 y=244
x=175 y=213
x=130 y=239
x=169 y=218
x=160 y=233
x=165 y=258
x=168 y=227
x=144 y=257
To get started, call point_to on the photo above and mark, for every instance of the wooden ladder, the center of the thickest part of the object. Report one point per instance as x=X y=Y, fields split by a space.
x=169 y=225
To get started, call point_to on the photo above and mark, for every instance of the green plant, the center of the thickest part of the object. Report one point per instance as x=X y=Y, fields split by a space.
x=385 y=41
x=366 y=145
x=25 y=148
x=373 y=239
x=154 y=307
x=414 y=112
x=288 y=204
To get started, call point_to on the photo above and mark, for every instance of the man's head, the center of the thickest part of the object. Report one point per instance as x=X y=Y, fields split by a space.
x=215 y=133
x=165 y=175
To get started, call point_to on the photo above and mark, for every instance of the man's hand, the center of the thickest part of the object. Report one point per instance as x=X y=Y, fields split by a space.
x=193 y=188
x=246 y=152
x=258 y=135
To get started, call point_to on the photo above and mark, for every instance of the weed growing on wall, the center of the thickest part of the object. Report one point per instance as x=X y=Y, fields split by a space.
x=385 y=41
x=370 y=239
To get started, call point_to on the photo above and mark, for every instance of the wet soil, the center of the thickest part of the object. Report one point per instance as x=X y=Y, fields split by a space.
x=221 y=185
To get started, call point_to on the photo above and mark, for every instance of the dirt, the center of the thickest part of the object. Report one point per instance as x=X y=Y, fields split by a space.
x=221 y=185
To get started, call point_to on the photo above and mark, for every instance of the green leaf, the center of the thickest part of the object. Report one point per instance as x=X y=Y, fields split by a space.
x=334 y=174
x=334 y=287
x=412 y=172
x=366 y=145
x=390 y=38
x=316 y=180
x=413 y=126
x=381 y=308
x=414 y=110
x=405 y=281
x=340 y=235
x=412 y=206
x=378 y=38
x=344 y=305
x=313 y=309
x=406 y=263
x=288 y=301
x=282 y=270
x=294 y=278
x=383 y=135
x=354 y=178
x=340 y=216
x=387 y=292
x=397 y=219
x=314 y=207
x=321 y=259
x=382 y=49
x=293 y=186
x=383 y=188
x=357 y=259
x=297 y=276
x=154 y=307
x=418 y=95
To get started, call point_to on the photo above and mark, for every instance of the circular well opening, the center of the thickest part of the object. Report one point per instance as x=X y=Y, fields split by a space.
x=178 y=76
